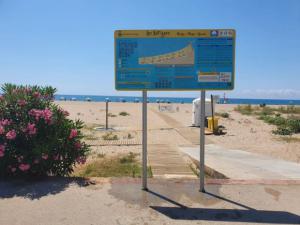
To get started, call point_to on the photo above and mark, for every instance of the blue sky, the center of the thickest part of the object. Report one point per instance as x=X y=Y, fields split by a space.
x=69 y=44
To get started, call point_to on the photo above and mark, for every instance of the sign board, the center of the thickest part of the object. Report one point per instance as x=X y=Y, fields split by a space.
x=174 y=59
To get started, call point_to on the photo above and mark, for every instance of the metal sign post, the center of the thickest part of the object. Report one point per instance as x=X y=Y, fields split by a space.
x=145 y=140
x=202 y=141
x=106 y=115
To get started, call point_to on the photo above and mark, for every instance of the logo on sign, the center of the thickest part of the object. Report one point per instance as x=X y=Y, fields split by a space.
x=214 y=33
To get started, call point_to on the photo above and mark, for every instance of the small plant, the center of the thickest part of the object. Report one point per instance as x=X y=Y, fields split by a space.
x=130 y=158
x=282 y=131
x=244 y=109
x=266 y=111
x=90 y=137
x=110 y=137
x=129 y=136
x=123 y=113
x=223 y=114
x=290 y=139
x=111 y=115
x=100 y=155
x=291 y=109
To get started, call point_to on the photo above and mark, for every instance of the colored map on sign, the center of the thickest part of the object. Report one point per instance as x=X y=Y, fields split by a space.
x=183 y=56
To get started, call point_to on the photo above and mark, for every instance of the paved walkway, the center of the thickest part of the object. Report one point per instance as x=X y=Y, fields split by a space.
x=237 y=164
x=66 y=201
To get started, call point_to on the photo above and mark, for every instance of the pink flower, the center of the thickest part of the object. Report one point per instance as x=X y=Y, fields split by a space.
x=77 y=145
x=22 y=102
x=45 y=114
x=11 y=135
x=5 y=122
x=2 y=150
x=2 y=130
x=56 y=157
x=37 y=94
x=24 y=167
x=73 y=133
x=81 y=160
x=36 y=161
x=36 y=113
x=31 y=129
x=45 y=156
x=13 y=169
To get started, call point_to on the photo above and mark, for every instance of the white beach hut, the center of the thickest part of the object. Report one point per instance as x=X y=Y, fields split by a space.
x=196 y=110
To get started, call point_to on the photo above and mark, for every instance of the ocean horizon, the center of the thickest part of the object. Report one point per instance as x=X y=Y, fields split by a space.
x=102 y=98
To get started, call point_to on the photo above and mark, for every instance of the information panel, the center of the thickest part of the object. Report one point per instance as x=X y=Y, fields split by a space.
x=174 y=59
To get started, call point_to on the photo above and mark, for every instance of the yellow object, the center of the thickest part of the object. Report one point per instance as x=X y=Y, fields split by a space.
x=210 y=123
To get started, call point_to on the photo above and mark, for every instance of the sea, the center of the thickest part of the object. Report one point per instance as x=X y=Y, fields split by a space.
x=96 y=98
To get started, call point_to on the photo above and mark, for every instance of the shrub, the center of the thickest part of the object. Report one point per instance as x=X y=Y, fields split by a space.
x=130 y=158
x=289 y=109
x=110 y=136
x=111 y=115
x=244 y=109
x=283 y=131
x=124 y=113
x=223 y=114
x=36 y=137
x=294 y=125
x=284 y=126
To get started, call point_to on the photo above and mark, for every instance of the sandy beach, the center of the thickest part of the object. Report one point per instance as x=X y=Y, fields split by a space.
x=173 y=128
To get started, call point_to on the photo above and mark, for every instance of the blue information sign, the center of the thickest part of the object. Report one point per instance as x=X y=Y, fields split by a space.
x=174 y=59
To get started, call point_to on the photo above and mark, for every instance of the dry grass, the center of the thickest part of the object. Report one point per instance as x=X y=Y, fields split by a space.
x=118 y=166
x=289 y=139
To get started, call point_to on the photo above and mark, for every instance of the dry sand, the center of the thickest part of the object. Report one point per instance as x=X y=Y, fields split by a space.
x=243 y=132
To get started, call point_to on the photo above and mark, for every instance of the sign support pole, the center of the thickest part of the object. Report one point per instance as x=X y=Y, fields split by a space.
x=145 y=140
x=202 y=141
x=106 y=115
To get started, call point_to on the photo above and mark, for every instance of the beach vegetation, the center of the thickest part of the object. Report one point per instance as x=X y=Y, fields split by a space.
x=111 y=115
x=90 y=137
x=110 y=136
x=267 y=110
x=101 y=155
x=223 y=114
x=129 y=136
x=291 y=109
x=290 y=139
x=285 y=126
x=245 y=109
x=123 y=113
x=36 y=136
x=116 y=166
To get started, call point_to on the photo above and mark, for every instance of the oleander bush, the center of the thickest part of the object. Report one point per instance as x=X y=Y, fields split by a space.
x=36 y=136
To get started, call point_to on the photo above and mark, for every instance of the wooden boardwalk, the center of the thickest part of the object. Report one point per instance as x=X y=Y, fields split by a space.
x=167 y=161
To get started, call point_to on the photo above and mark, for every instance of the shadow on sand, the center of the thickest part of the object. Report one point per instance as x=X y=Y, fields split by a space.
x=248 y=214
x=35 y=189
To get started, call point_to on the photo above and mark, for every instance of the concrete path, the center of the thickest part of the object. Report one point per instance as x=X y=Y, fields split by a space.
x=167 y=161
x=67 y=201
x=237 y=164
